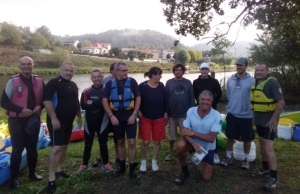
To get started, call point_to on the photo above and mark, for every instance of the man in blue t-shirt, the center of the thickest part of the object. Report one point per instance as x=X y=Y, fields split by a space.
x=200 y=129
x=121 y=100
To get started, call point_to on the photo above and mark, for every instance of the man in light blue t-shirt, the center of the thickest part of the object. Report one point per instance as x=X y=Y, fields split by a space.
x=200 y=129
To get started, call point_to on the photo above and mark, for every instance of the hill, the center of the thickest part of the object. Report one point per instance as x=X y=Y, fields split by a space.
x=129 y=38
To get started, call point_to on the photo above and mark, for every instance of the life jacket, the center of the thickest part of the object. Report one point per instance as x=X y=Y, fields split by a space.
x=20 y=93
x=126 y=101
x=259 y=101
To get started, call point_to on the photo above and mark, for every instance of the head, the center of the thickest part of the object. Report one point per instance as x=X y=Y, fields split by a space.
x=205 y=100
x=154 y=74
x=96 y=77
x=112 y=70
x=261 y=71
x=204 y=70
x=121 y=70
x=178 y=70
x=67 y=70
x=26 y=66
x=241 y=65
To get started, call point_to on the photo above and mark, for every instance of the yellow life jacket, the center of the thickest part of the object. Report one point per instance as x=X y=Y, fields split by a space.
x=259 y=101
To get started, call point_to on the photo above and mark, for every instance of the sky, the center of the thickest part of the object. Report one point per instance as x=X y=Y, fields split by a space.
x=78 y=17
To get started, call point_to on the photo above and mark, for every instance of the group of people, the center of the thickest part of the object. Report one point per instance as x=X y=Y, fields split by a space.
x=113 y=104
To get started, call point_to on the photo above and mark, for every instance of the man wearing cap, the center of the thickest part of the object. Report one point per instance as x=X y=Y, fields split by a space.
x=239 y=113
x=206 y=82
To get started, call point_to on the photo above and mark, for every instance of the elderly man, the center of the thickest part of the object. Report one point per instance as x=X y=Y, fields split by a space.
x=267 y=103
x=22 y=98
x=121 y=100
x=62 y=105
x=200 y=129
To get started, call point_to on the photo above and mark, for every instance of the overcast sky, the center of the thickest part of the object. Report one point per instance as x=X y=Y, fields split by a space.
x=77 y=17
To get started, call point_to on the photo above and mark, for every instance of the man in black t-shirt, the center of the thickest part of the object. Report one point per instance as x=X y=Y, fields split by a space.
x=62 y=105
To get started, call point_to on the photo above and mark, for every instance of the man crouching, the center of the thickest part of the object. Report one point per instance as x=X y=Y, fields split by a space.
x=200 y=129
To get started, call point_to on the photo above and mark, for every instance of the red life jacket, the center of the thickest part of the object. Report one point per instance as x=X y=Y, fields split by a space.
x=20 y=93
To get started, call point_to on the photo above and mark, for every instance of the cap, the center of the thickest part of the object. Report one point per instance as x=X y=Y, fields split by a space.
x=241 y=61
x=204 y=65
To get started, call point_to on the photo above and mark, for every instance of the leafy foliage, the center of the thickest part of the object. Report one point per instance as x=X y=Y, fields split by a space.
x=183 y=56
x=9 y=34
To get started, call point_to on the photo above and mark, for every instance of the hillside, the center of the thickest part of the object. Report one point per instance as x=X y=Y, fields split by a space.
x=129 y=38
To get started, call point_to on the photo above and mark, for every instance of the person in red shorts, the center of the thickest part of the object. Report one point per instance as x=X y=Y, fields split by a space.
x=152 y=115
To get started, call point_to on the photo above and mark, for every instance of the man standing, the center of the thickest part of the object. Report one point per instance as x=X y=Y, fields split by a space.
x=96 y=121
x=267 y=103
x=239 y=114
x=200 y=129
x=62 y=105
x=206 y=82
x=179 y=98
x=121 y=101
x=22 y=98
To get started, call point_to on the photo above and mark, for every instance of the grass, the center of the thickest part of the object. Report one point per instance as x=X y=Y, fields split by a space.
x=225 y=180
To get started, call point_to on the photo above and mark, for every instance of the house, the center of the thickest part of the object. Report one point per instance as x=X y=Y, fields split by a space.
x=104 y=48
x=166 y=52
x=154 y=52
x=90 y=50
x=71 y=43
x=126 y=50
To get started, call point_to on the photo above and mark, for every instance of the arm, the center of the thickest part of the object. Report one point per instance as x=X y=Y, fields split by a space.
x=51 y=113
x=167 y=97
x=218 y=92
x=273 y=121
x=189 y=134
x=137 y=104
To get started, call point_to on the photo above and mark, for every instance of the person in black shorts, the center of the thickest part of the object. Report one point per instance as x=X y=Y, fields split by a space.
x=62 y=105
x=267 y=102
x=121 y=101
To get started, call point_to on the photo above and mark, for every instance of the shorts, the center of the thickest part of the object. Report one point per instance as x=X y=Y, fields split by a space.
x=173 y=124
x=239 y=128
x=265 y=133
x=155 y=127
x=123 y=127
x=209 y=158
x=62 y=136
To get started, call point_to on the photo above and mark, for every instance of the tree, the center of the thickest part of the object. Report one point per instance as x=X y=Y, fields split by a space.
x=26 y=34
x=79 y=46
x=183 y=56
x=46 y=33
x=86 y=43
x=38 y=40
x=168 y=56
x=193 y=55
x=116 y=51
x=60 y=56
x=10 y=34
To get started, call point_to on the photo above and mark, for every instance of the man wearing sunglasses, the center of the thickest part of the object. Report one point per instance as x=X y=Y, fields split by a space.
x=239 y=113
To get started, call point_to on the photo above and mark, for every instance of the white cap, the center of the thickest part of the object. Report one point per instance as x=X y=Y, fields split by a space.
x=204 y=65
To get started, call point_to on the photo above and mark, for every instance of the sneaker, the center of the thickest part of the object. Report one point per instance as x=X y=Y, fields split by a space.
x=62 y=174
x=189 y=160
x=51 y=187
x=107 y=168
x=82 y=168
x=245 y=164
x=260 y=172
x=216 y=159
x=97 y=163
x=133 y=175
x=118 y=160
x=226 y=161
x=143 y=167
x=154 y=166
x=271 y=184
x=168 y=157
x=180 y=180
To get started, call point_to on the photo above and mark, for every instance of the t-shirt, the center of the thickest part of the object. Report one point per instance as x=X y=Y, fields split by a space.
x=272 y=90
x=212 y=122
x=64 y=95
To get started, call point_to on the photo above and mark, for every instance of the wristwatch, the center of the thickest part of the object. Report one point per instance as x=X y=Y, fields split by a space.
x=192 y=141
x=135 y=112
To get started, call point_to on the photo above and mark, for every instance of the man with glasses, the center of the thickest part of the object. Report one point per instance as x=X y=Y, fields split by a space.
x=239 y=113
x=121 y=100
x=206 y=82
x=22 y=98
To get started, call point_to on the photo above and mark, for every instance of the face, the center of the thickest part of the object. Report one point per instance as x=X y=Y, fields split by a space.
x=96 y=78
x=122 y=72
x=26 y=66
x=204 y=72
x=178 y=73
x=241 y=69
x=261 y=71
x=205 y=102
x=67 y=71
x=156 y=78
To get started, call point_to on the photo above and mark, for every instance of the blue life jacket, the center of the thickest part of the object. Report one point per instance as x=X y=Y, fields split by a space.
x=125 y=100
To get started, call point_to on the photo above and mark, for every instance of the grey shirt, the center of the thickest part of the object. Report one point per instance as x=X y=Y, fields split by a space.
x=273 y=90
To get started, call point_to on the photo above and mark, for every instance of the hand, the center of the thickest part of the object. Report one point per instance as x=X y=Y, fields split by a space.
x=131 y=119
x=89 y=102
x=56 y=124
x=140 y=114
x=272 y=124
x=186 y=132
x=27 y=112
x=197 y=147
x=37 y=109
x=114 y=120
